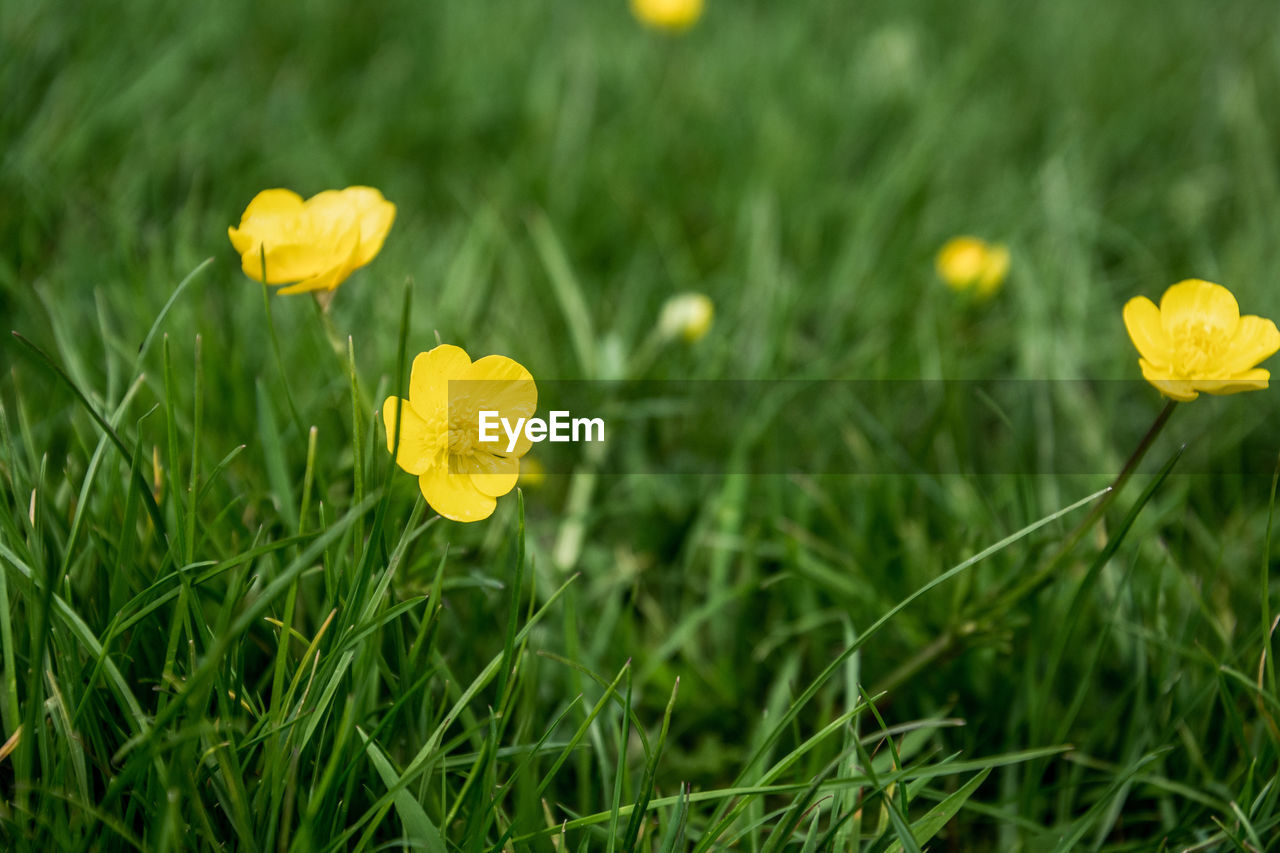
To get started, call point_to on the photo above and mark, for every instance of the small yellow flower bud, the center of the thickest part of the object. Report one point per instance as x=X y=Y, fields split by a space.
x=671 y=15
x=686 y=315
x=967 y=263
x=532 y=473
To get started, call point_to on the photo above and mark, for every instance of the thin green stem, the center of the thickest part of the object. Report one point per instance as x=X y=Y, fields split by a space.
x=1032 y=583
x=1267 y=668
x=339 y=344
x=970 y=627
x=1126 y=472
x=275 y=347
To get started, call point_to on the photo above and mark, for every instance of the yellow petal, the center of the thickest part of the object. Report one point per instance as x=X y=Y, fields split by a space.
x=498 y=383
x=242 y=241
x=498 y=448
x=523 y=445
x=275 y=202
x=687 y=315
x=429 y=378
x=311 y=245
x=1166 y=383
x=1175 y=389
x=1200 y=302
x=960 y=261
x=326 y=280
x=1256 y=340
x=455 y=496
x=375 y=215
x=532 y=473
x=331 y=214
x=1142 y=319
x=296 y=251
x=994 y=269
x=1250 y=380
x=269 y=214
x=671 y=15
x=273 y=217
x=491 y=475
x=293 y=262
x=420 y=441
x=499 y=368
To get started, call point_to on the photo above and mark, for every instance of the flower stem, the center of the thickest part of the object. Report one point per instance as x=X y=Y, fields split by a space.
x=339 y=343
x=1068 y=545
x=330 y=331
x=997 y=603
x=1123 y=477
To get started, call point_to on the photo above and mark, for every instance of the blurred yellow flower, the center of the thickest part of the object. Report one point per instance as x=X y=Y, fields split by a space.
x=966 y=263
x=670 y=15
x=1197 y=341
x=532 y=473
x=687 y=315
x=313 y=244
x=460 y=476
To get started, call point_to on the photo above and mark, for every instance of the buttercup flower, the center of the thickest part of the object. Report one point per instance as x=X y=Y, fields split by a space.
x=313 y=244
x=687 y=315
x=532 y=473
x=460 y=476
x=967 y=263
x=1197 y=341
x=670 y=15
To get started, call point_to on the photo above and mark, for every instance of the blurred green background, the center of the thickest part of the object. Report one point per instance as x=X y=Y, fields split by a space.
x=800 y=162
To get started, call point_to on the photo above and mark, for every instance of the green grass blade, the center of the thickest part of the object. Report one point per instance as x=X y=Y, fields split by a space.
x=932 y=822
x=418 y=827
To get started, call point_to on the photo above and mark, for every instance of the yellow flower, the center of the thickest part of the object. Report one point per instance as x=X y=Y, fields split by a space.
x=313 y=244
x=460 y=476
x=966 y=263
x=532 y=473
x=687 y=315
x=1197 y=341
x=671 y=15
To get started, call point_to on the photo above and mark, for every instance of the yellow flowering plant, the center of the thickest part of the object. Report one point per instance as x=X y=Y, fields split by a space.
x=311 y=245
x=460 y=476
x=1194 y=341
x=973 y=265
x=670 y=15
x=686 y=315
x=1197 y=341
x=533 y=474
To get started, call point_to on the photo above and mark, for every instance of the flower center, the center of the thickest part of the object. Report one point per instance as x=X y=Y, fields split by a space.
x=461 y=441
x=1197 y=348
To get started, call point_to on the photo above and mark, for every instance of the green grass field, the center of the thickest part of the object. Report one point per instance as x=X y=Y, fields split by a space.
x=229 y=622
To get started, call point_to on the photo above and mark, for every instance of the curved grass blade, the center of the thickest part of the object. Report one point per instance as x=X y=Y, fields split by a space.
x=155 y=326
x=145 y=490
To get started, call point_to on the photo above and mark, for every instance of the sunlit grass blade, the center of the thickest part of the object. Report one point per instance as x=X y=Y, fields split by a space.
x=423 y=760
x=567 y=292
x=905 y=775
x=673 y=838
x=145 y=346
x=931 y=823
x=721 y=819
x=152 y=509
x=650 y=773
x=418 y=826
x=1077 y=830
